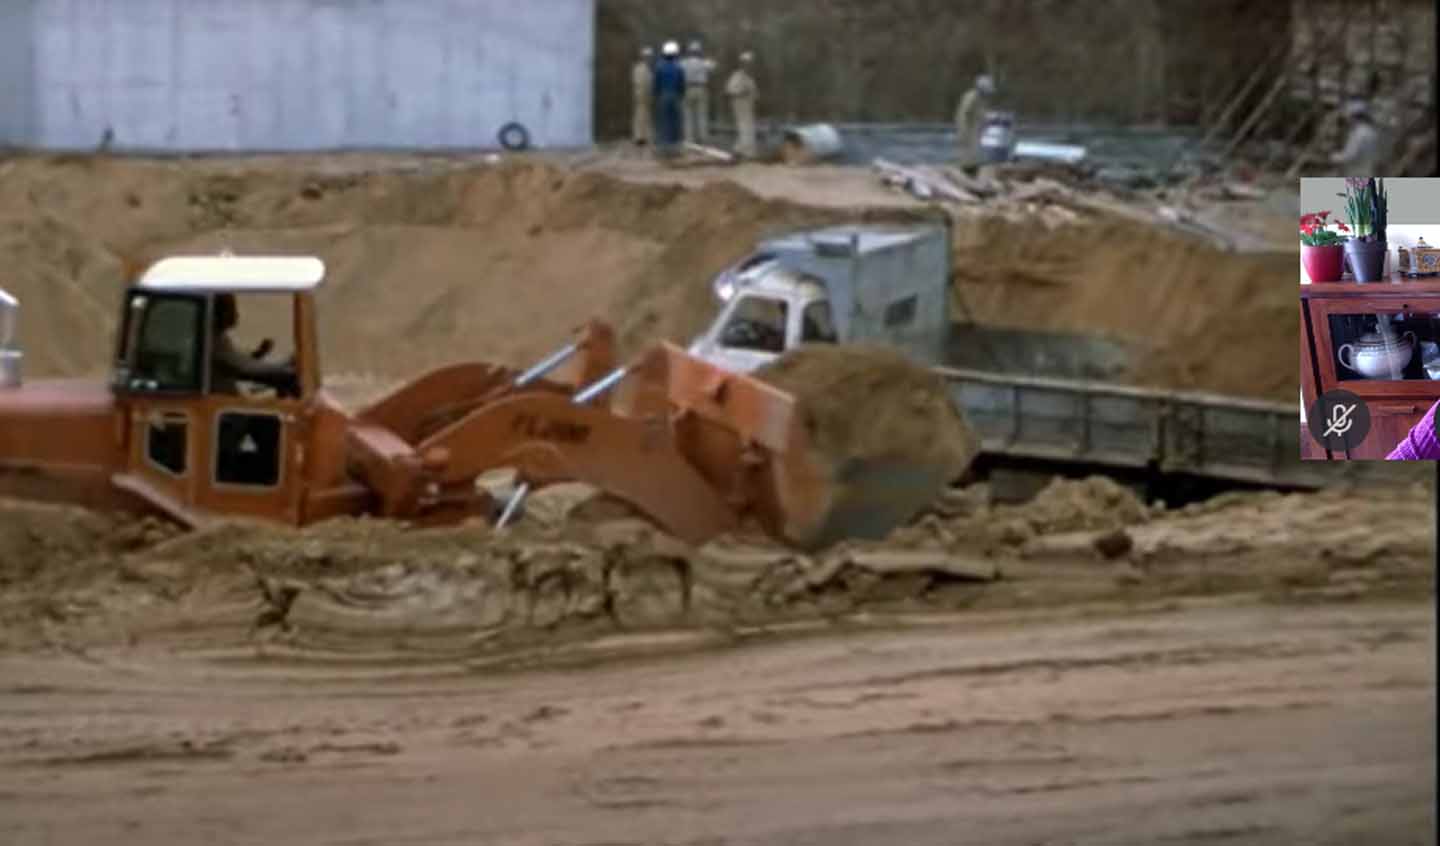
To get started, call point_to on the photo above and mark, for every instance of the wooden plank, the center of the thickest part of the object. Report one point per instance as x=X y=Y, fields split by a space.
x=1255 y=116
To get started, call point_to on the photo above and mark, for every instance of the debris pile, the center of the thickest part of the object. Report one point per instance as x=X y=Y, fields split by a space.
x=1056 y=195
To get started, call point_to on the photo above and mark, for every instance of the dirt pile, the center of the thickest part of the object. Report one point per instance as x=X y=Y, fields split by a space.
x=862 y=403
x=883 y=433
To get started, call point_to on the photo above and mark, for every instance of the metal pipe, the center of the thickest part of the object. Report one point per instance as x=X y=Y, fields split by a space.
x=547 y=364
x=513 y=505
x=595 y=389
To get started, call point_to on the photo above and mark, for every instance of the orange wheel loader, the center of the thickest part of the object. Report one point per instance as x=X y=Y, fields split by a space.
x=185 y=429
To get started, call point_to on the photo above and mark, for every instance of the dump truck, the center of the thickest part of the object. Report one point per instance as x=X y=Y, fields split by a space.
x=694 y=447
x=1050 y=399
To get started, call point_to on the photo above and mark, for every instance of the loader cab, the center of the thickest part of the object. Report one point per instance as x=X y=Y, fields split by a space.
x=773 y=310
x=202 y=437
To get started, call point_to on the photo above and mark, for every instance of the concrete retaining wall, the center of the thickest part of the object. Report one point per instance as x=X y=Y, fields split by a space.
x=261 y=75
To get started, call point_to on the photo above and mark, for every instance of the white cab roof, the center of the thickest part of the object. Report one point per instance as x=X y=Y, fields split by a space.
x=241 y=274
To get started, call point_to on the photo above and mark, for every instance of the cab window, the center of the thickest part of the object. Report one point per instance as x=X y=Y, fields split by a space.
x=816 y=325
x=168 y=343
x=757 y=323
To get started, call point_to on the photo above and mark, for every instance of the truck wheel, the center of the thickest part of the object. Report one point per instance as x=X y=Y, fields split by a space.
x=514 y=137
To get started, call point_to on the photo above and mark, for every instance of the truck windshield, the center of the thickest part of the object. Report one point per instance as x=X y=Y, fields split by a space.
x=757 y=323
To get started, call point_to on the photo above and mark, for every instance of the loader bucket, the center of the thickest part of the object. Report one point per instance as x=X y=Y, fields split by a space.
x=867 y=500
x=764 y=446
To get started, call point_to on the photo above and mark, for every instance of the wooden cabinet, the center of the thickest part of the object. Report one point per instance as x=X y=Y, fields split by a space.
x=1342 y=346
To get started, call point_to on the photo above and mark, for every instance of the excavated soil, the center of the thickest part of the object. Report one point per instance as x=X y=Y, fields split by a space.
x=862 y=403
x=436 y=260
x=373 y=587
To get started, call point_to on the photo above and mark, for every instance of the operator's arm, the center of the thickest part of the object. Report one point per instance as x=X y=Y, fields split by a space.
x=230 y=359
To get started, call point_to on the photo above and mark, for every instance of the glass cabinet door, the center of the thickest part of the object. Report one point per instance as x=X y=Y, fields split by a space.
x=1385 y=345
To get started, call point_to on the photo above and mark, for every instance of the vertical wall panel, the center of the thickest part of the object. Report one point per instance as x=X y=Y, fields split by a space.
x=229 y=75
x=19 y=86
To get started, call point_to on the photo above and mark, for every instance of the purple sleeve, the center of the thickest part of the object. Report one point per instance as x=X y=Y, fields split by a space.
x=1420 y=444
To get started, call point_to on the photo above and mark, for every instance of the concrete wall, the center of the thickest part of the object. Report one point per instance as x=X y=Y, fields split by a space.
x=221 y=75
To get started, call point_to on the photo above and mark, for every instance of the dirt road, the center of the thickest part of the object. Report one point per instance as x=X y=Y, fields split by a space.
x=1185 y=724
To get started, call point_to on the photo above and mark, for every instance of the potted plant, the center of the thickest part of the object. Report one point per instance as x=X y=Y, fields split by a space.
x=1366 y=204
x=1321 y=249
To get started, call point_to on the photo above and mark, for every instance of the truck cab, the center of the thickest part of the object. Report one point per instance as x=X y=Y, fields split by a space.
x=772 y=309
x=205 y=437
x=176 y=430
x=844 y=284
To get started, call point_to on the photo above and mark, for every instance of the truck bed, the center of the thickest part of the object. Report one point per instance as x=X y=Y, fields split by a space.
x=1118 y=426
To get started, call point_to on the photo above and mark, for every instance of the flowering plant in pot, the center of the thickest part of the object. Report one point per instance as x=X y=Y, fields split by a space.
x=1367 y=205
x=1321 y=249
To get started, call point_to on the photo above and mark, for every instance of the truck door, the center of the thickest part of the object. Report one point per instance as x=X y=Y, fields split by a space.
x=159 y=379
x=250 y=434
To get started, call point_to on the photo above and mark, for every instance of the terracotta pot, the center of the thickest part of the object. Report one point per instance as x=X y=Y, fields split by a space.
x=1322 y=264
x=1366 y=260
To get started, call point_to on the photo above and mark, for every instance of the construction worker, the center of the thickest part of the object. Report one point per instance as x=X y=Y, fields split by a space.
x=642 y=79
x=697 y=95
x=970 y=119
x=741 y=90
x=229 y=366
x=1361 y=154
x=669 y=87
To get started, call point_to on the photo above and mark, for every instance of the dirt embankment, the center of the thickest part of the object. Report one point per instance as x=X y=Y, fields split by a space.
x=1198 y=318
x=372 y=587
x=433 y=261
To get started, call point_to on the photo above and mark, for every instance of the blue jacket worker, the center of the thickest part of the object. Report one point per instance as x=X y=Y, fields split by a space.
x=669 y=97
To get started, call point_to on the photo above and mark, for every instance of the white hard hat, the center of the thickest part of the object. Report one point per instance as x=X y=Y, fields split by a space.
x=985 y=83
x=747 y=56
x=694 y=46
x=647 y=50
x=670 y=48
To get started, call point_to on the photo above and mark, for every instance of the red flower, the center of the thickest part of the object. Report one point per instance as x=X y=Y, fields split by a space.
x=1343 y=227
x=1322 y=216
x=1307 y=229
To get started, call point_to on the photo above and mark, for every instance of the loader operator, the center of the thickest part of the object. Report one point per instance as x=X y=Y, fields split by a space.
x=229 y=366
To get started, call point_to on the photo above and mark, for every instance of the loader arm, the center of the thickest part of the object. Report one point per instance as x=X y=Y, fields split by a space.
x=548 y=438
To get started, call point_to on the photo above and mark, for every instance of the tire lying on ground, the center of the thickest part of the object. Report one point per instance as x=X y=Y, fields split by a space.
x=883 y=432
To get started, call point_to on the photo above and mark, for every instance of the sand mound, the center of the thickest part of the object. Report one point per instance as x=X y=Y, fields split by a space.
x=873 y=403
x=1094 y=503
